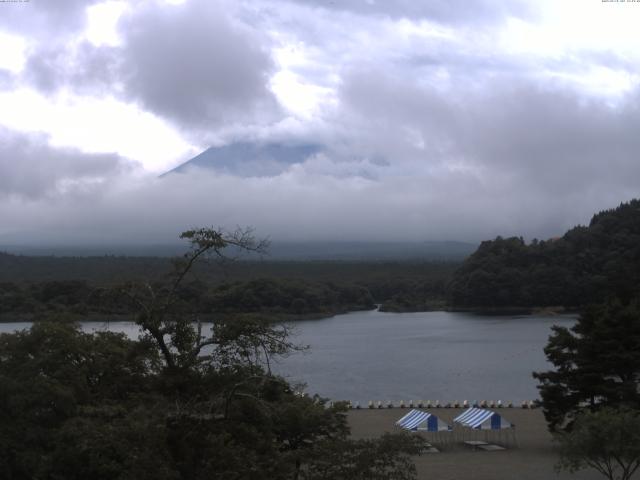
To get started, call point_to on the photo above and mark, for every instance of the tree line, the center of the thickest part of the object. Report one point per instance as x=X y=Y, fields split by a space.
x=278 y=288
x=266 y=296
x=588 y=264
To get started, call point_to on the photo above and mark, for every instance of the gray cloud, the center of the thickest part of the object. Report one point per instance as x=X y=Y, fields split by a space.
x=6 y=80
x=31 y=169
x=86 y=69
x=192 y=64
x=407 y=162
x=300 y=205
x=429 y=137
x=556 y=138
x=55 y=57
x=520 y=143
x=443 y=11
x=44 y=19
x=534 y=163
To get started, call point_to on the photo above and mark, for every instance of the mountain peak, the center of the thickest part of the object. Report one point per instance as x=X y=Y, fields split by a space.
x=248 y=159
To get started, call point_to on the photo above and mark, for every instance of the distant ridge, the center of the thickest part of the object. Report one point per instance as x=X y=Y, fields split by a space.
x=247 y=159
x=372 y=251
x=294 y=251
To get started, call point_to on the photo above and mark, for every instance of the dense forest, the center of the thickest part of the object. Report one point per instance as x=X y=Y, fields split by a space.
x=34 y=287
x=586 y=265
x=109 y=269
x=267 y=296
x=178 y=402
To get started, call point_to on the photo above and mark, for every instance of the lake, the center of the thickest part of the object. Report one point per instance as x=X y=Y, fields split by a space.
x=444 y=356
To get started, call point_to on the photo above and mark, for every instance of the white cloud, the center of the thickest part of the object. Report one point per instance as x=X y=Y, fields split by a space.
x=32 y=169
x=102 y=23
x=12 y=52
x=459 y=119
x=96 y=125
x=301 y=98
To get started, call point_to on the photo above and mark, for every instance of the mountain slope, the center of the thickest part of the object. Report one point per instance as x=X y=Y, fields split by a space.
x=249 y=159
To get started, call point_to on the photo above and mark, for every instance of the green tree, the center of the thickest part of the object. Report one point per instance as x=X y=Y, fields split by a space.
x=179 y=403
x=245 y=417
x=597 y=363
x=585 y=265
x=53 y=375
x=382 y=459
x=607 y=440
x=163 y=318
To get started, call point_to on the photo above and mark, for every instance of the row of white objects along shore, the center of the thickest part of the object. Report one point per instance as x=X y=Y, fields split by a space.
x=437 y=404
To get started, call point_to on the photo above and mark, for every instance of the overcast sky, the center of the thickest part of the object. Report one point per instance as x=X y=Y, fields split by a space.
x=458 y=119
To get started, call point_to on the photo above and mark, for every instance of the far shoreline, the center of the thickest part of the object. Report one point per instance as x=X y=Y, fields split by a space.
x=497 y=311
x=288 y=317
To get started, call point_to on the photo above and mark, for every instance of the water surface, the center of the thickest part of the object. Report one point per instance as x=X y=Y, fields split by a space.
x=442 y=356
x=430 y=356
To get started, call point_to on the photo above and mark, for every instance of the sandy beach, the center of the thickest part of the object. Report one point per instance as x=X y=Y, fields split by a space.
x=532 y=459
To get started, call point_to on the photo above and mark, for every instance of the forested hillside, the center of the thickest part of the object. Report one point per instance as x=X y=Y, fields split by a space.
x=264 y=296
x=585 y=265
x=33 y=287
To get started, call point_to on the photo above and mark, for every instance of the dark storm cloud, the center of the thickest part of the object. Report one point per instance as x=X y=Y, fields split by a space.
x=31 y=169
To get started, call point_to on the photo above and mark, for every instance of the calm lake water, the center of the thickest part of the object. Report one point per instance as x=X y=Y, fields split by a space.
x=444 y=356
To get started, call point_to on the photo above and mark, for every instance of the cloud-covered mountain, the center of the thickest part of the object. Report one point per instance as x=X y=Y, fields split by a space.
x=246 y=159
x=437 y=120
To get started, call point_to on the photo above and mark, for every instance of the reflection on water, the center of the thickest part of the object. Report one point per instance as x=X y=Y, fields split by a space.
x=410 y=356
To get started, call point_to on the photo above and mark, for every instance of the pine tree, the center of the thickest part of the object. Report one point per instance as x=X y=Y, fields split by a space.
x=597 y=363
